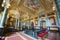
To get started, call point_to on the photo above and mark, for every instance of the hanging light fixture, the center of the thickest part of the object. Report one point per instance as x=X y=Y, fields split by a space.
x=3 y=3
x=6 y=3
x=54 y=7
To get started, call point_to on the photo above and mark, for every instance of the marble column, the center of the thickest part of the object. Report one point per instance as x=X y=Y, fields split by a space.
x=58 y=11
x=38 y=21
x=19 y=23
x=16 y=24
x=3 y=18
x=28 y=21
x=6 y=5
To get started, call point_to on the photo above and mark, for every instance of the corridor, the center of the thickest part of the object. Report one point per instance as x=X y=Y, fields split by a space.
x=29 y=19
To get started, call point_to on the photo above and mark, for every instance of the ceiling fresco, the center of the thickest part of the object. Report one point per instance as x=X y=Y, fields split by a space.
x=30 y=8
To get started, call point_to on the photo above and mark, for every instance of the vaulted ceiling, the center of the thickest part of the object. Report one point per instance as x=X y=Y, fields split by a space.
x=31 y=7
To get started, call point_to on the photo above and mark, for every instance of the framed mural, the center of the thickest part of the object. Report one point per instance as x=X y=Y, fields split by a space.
x=52 y=20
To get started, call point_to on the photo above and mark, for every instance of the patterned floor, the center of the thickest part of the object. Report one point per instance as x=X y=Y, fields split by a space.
x=23 y=36
x=19 y=36
x=52 y=36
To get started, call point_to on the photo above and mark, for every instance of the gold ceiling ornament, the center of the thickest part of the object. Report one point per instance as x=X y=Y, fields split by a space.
x=14 y=13
x=47 y=4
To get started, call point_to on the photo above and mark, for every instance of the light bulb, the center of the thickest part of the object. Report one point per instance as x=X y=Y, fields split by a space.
x=2 y=5
x=3 y=1
x=53 y=8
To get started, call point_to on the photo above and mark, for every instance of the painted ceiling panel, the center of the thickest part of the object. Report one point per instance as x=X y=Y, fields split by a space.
x=31 y=7
x=33 y=4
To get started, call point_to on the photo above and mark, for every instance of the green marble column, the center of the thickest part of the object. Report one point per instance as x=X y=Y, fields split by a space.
x=29 y=21
x=4 y=15
x=2 y=23
x=19 y=24
x=58 y=11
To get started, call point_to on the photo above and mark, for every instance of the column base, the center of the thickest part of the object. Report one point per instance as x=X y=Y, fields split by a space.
x=1 y=32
